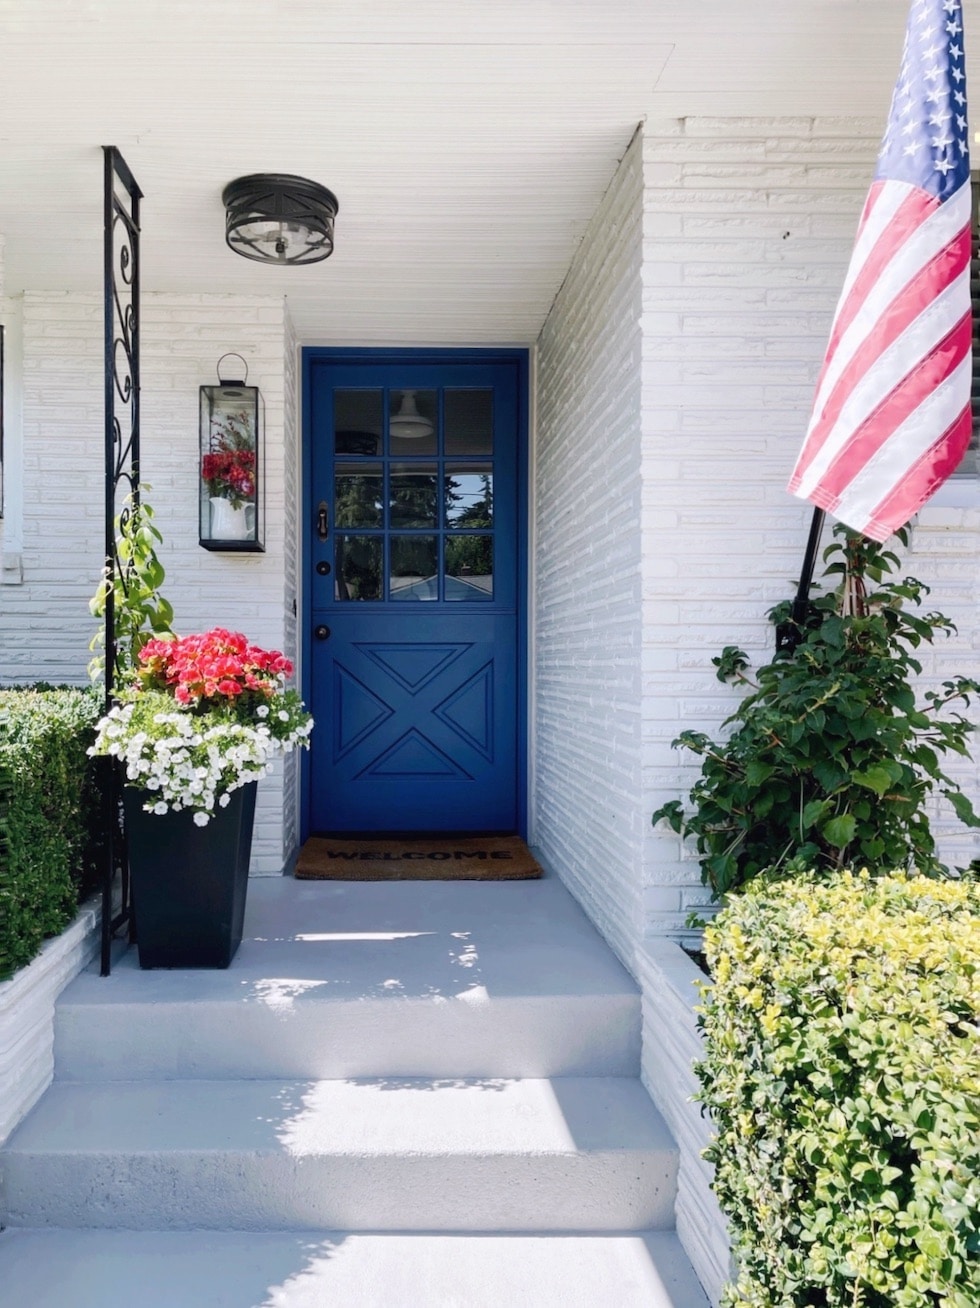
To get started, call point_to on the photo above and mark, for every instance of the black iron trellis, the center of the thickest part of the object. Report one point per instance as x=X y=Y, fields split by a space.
x=121 y=297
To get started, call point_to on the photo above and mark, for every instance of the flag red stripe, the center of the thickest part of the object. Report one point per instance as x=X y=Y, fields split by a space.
x=907 y=218
x=902 y=400
x=919 y=482
x=944 y=268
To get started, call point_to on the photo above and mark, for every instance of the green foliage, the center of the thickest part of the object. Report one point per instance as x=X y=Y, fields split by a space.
x=139 y=610
x=831 y=759
x=842 y=1074
x=48 y=809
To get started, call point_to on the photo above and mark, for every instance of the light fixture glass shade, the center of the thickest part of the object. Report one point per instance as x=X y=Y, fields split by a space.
x=408 y=423
x=279 y=218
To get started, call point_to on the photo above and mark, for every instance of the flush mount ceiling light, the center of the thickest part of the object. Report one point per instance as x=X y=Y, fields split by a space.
x=278 y=218
x=408 y=423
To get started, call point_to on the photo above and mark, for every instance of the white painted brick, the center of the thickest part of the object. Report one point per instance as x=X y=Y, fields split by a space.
x=775 y=258
x=586 y=591
x=45 y=625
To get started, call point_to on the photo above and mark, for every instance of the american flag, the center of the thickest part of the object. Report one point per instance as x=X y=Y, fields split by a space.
x=891 y=418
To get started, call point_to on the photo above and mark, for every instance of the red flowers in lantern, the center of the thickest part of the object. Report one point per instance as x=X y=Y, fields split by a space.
x=230 y=473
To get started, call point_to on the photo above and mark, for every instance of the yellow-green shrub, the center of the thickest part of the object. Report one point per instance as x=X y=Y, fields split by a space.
x=46 y=814
x=842 y=1072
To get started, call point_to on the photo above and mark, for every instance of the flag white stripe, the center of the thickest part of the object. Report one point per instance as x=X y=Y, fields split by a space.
x=907 y=351
x=890 y=198
x=907 y=444
x=934 y=234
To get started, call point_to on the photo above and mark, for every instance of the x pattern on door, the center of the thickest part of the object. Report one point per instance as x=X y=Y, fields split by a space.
x=447 y=689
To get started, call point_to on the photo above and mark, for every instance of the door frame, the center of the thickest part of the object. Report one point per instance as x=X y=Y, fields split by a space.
x=520 y=360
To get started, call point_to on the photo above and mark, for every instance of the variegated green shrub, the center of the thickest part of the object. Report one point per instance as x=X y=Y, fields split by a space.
x=48 y=815
x=842 y=1073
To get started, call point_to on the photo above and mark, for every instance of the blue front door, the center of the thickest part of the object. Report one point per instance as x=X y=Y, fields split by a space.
x=414 y=590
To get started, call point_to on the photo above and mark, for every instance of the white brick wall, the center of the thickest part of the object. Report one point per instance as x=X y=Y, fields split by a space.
x=587 y=815
x=27 y=1001
x=45 y=626
x=671 y=1044
x=747 y=231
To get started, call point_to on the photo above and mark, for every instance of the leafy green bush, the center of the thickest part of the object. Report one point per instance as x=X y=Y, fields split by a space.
x=842 y=1073
x=48 y=814
x=831 y=760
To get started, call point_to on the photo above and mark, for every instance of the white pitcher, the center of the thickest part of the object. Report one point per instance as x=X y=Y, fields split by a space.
x=229 y=522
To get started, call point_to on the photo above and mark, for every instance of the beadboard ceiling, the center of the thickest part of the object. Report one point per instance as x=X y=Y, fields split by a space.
x=468 y=141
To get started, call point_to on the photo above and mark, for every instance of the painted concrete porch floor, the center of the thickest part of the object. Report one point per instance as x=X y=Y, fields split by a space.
x=409 y=938
x=382 y=953
x=342 y=979
x=106 y=1269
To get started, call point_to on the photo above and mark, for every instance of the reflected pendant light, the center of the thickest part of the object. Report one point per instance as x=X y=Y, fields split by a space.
x=278 y=218
x=408 y=423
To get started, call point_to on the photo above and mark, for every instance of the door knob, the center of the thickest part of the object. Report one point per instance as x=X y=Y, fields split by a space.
x=321 y=520
x=322 y=632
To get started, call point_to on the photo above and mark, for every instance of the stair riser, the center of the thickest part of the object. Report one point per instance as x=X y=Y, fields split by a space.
x=616 y=1191
x=283 y=1037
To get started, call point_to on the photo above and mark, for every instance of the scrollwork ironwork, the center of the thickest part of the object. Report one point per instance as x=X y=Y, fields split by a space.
x=121 y=267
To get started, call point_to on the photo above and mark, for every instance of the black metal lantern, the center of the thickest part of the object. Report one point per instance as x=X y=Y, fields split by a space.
x=231 y=496
x=278 y=218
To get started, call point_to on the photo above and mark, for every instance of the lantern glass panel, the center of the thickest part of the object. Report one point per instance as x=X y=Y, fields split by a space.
x=230 y=468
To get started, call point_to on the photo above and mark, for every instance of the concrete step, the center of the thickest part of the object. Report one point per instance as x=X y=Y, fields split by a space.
x=334 y=980
x=493 y=1154
x=220 y=1269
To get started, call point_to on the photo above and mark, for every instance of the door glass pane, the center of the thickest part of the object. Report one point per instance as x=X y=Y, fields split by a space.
x=414 y=568
x=413 y=418
x=469 y=422
x=357 y=567
x=469 y=568
x=357 y=421
x=469 y=494
x=358 y=495
x=414 y=495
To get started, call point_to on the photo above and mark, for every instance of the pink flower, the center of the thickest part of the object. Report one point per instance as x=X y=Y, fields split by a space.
x=207 y=667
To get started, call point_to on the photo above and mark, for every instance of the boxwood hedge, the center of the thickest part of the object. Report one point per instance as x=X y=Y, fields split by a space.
x=48 y=815
x=842 y=1073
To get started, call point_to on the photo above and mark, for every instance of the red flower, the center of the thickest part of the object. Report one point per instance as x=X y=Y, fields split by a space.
x=229 y=473
x=215 y=665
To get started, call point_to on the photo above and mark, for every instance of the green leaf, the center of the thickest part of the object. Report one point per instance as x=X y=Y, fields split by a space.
x=839 y=831
x=813 y=812
x=756 y=773
x=964 y=809
x=879 y=779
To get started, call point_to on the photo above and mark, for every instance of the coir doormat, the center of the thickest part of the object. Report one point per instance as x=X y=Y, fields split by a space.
x=422 y=858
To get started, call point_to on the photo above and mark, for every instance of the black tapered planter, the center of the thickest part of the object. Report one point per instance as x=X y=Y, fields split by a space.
x=189 y=882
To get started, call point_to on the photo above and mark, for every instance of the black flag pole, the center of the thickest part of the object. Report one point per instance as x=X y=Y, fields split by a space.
x=790 y=634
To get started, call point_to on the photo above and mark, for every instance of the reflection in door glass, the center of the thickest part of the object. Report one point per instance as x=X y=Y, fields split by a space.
x=413 y=418
x=469 y=421
x=469 y=495
x=357 y=421
x=414 y=568
x=358 y=567
x=414 y=495
x=469 y=568
x=357 y=495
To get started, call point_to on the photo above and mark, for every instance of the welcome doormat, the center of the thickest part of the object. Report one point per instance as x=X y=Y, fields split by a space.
x=419 y=858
